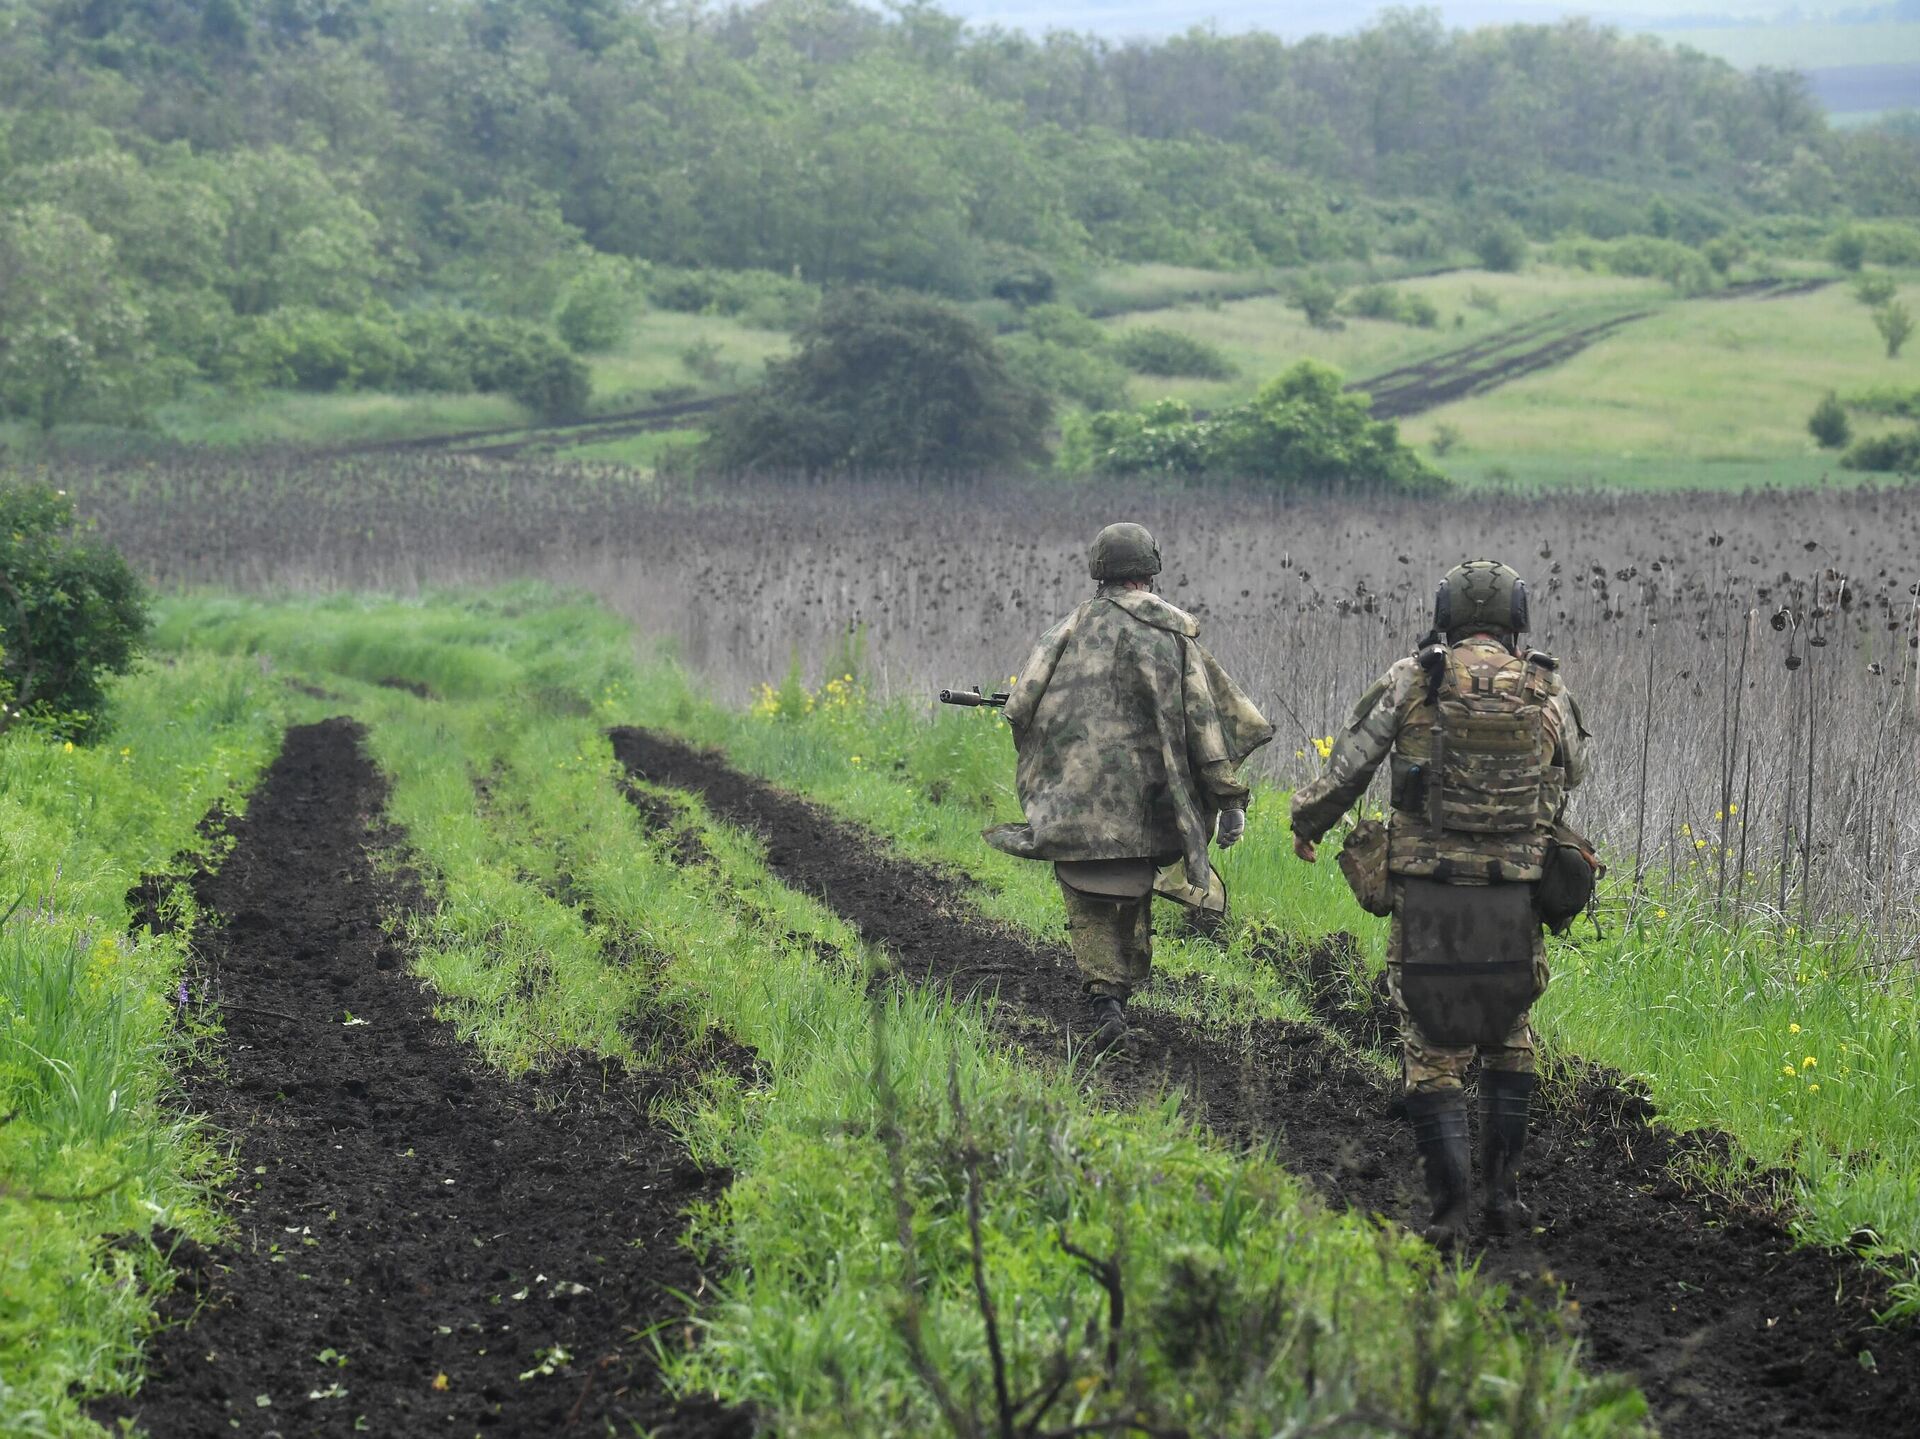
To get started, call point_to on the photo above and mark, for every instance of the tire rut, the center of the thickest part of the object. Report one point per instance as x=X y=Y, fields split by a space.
x=416 y=1240
x=1727 y=1327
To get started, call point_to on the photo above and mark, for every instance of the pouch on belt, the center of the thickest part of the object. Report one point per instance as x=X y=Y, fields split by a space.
x=1466 y=957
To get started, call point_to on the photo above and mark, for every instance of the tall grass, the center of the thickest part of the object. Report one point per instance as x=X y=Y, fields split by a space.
x=92 y=1156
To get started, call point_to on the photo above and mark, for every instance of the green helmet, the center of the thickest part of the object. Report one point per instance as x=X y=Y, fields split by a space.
x=1123 y=552
x=1480 y=595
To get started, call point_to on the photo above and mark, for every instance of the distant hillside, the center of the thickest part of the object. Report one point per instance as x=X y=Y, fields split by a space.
x=395 y=193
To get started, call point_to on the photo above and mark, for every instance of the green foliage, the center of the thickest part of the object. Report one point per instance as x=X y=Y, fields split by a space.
x=1874 y=290
x=1155 y=350
x=1501 y=245
x=1894 y=321
x=1848 y=249
x=1898 y=453
x=778 y=302
x=1829 y=425
x=884 y=382
x=1302 y=431
x=1681 y=266
x=1384 y=302
x=1087 y=376
x=1723 y=252
x=70 y=332
x=1895 y=401
x=1318 y=298
x=597 y=308
x=72 y=615
x=435 y=350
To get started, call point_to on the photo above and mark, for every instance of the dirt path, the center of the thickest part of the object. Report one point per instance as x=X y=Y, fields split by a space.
x=1728 y=1328
x=414 y=1236
x=1499 y=359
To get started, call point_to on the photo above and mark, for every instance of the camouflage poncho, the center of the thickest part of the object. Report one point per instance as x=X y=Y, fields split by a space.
x=1128 y=733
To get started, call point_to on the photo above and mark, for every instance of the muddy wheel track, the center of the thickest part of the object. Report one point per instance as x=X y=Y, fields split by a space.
x=432 y=1228
x=1728 y=1328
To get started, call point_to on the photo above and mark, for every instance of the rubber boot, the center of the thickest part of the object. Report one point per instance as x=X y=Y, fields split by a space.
x=1505 y=1098
x=1440 y=1129
x=1109 y=1015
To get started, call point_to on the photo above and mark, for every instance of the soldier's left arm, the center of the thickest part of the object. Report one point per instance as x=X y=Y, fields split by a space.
x=1570 y=752
x=1357 y=752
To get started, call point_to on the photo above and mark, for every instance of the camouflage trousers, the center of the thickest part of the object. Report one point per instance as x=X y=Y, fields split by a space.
x=1112 y=941
x=1429 y=1068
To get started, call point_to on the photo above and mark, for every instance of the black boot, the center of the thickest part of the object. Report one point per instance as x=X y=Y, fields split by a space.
x=1440 y=1129
x=1109 y=1015
x=1505 y=1098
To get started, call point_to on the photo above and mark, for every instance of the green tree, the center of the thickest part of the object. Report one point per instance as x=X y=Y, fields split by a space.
x=884 y=382
x=1829 y=425
x=1894 y=321
x=1302 y=431
x=71 y=615
x=1501 y=245
x=71 y=335
x=1875 y=290
x=1848 y=249
x=1319 y=300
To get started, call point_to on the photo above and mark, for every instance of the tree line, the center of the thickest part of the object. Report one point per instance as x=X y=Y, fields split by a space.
x=203 y=188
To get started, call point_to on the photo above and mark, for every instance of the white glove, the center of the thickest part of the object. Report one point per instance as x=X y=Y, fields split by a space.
x=1233 y=824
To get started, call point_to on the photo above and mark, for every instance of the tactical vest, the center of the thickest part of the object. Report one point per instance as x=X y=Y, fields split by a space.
x=1475 y=786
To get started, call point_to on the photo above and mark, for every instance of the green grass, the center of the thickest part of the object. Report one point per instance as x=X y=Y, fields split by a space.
x=1704 y=1017
x=1264 y=336
x=211 y=416
x=805 y=1323
x=642 y=452
x=1698 y=383
x=87 y=1022
x=651 y=364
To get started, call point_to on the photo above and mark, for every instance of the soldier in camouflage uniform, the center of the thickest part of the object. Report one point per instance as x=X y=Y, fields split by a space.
x=1485 y=741
x=1128 y=735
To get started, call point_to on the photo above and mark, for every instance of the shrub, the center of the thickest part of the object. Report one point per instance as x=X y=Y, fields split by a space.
x=1898 y=452
x=1088 y=377
x=1058 y=324
x=1894 y=321
x=1023 y=285
x=758 y=297
x=1383 y=302
x=597 y=307
x=71 y=615
x=1872 y=290
x=1848 y=249
x=1723 y=252
x=1501 y=245
x=1302 y=431
x=882 y=382
x=1155 y=350
x=1828 y=424
x=1319 y=300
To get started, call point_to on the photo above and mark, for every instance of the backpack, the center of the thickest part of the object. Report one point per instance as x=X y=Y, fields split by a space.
x=1492 y=745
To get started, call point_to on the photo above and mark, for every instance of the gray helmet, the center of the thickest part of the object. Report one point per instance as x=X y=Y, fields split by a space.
x=1123 y=552
x=1480 y=595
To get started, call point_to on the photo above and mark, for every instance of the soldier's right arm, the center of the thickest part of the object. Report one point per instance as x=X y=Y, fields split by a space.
x=1357 y=752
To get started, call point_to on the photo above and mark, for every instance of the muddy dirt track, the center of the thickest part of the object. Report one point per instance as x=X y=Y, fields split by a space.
x=413 y=1234
x=1729 y=1330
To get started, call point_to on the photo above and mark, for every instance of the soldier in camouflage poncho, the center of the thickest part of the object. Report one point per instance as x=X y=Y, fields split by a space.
x=1485 y=743
x=1128 y=734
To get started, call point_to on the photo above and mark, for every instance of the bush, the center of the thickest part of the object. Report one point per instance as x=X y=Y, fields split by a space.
x=1871 y=290
x=1723 y=252
x=1154 y=350
x=1894 y=321
x=71 y=615
x=1088 y=377
x=757 y=297
x=1302 y=431
x=1828 y=424
x=1898 y=453
x=1058 y=324
x=597 y=308
x=1383 y=302
x=1501 y=245
x=884 y=382
x=1848 y=249
x=1319 y=300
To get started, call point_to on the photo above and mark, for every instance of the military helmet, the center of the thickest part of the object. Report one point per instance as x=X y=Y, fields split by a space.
x=1123 y=552
x=1480 y=595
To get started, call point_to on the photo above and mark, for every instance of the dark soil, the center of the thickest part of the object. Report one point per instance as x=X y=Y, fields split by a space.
x=1728 y=1328
x=409 y=1228
x=1497 y=360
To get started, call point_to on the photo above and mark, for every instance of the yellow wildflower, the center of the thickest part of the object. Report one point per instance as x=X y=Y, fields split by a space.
x=67 y=748
x=1793 y=1029
x=1809 y=1062
x=1787 y=1070
x=1813 y=1089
